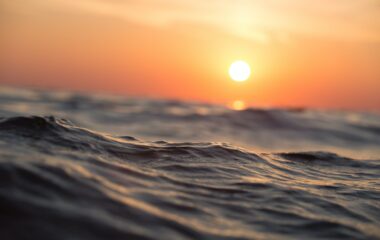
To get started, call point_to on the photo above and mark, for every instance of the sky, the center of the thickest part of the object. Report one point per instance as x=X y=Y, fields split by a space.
x=319 y=54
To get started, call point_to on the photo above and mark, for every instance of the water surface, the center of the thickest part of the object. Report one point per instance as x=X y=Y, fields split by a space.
x=76 y=166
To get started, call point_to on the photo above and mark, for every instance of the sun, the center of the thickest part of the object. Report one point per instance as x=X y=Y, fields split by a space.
x=239 y=71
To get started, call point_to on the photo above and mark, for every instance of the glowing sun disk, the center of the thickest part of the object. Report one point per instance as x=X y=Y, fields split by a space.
x=239 y=71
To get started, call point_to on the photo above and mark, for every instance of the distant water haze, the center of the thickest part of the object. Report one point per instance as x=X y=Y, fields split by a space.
x=348 y=133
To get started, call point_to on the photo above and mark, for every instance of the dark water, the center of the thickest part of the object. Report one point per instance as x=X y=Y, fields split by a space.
x=93 y=167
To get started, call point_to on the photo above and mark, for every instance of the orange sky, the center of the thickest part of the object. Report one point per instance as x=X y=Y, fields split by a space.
x=302 y=53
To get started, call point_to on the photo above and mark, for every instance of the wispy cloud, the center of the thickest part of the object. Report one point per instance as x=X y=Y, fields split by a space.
x=350 y=20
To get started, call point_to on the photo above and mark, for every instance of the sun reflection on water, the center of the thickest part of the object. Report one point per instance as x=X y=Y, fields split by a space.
x=238 y=105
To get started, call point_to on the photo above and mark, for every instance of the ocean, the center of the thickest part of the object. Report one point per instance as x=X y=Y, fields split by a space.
x=90 y=166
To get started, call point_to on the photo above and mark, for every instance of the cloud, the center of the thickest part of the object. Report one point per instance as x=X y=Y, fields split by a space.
x=349 y=20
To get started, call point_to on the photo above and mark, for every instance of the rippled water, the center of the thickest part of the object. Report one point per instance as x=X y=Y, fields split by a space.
x=95 y=167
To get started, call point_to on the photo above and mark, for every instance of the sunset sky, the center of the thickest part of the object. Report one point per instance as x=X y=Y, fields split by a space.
x=323 y=54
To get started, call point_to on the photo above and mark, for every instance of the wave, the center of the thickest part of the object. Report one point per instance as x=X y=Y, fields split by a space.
x=353 y=134
x=61 y=181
